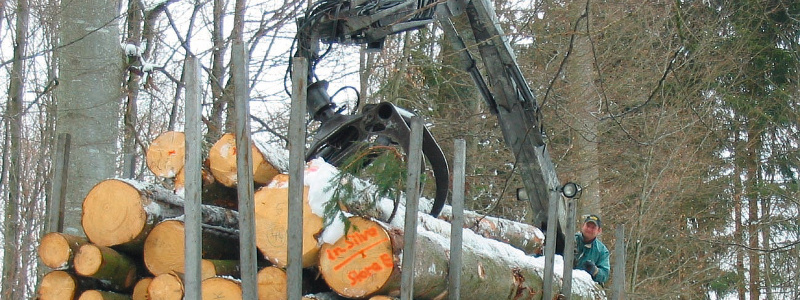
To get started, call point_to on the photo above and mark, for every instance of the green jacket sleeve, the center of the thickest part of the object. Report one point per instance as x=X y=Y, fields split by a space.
x=603 y=266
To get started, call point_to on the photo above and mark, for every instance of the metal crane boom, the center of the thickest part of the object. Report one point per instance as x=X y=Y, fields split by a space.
x=503 y=87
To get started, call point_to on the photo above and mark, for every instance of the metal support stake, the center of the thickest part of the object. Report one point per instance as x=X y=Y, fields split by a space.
x=194 y=161
x=619 y=264
x=244 y=172
x=297 y=138
x=569 y=252
x=412 y=206
x=550 y=249
x=55 y=209
x=457 y=224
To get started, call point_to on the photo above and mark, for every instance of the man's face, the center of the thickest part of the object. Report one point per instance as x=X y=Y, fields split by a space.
x=590 y=231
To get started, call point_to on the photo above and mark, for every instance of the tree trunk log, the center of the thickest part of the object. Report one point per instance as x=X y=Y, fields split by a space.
x=167 y=286
x=164 y=249
x=520 y=235
x=165 y=156
x=212 y=192
x=272 y=214
x=62 y=285
x=57 y=250
x=267 y=161
x=115 y=270
x=103 y=295
x=367 y=262
x=119 y=213
x=272 y=284
x=140 y=289
x=221 y=288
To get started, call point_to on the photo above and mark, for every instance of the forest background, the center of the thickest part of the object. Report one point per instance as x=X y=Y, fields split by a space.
x=679 y=118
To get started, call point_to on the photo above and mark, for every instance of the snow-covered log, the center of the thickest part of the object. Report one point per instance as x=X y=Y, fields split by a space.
x=268 y=161
x=119 y=213
x=367 y=262
x=271 y=218
x=322 y=178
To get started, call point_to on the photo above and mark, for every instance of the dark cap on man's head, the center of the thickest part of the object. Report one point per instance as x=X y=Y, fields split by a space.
x=594 y=219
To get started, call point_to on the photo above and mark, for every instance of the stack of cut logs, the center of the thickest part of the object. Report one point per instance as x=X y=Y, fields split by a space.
x=134 y=244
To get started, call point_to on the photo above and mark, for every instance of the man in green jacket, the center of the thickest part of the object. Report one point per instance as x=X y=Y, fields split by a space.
x=591 y=254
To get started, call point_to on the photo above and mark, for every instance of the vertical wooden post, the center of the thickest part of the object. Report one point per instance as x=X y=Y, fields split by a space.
x=412 y=206
x=619 y=264
x=297 y=141
x=457 y=224
x=569 y=251
x=191 y=210
x=244 y=172
x=550 y=249
x=55 y=208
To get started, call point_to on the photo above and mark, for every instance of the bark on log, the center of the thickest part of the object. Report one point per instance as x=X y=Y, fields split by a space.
x=164 y=249
x=165 y=156
x=140 y=289
x=62 y=285
x=322 y=176
x=119 y=213
x=212 y=192
x=267 y=161
x=525 y=237
x=57 y=250
x=168 y=286
x=367 y=262
x=271 y=217
x=103 y=295
x=221 y=288
x=117 y=271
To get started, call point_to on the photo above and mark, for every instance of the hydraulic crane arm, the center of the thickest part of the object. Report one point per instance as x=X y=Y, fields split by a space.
x=503 y=87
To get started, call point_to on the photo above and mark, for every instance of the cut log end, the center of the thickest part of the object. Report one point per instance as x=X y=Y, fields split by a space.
x=164 y=248
x=221 y=288
x=271 y=214
x=58 y=285
x=110 y=223
x=102 y=295
x=359 y=264
x=166 y=287
x=272 y=284
x=222 y=161
x=165 y=156
x=140 y=289
x=88 y=260
x=57 y=249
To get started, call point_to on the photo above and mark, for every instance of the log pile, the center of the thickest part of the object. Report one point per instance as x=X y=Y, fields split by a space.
x=134 y=244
